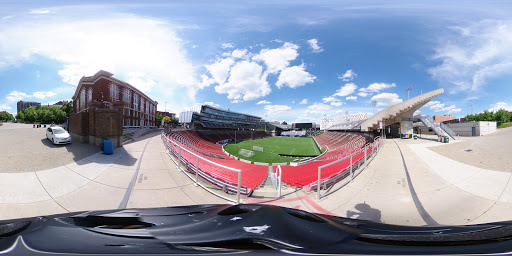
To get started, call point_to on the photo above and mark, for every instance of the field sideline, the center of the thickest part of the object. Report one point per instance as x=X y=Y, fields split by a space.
x=273 y=146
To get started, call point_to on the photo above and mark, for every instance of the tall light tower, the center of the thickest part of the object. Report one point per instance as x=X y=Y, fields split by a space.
x=407 y=90
x=374 y=103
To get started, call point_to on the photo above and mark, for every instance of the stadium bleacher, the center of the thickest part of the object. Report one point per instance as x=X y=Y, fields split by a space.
x=252 y=175
x=339 y=145
x=305 y=176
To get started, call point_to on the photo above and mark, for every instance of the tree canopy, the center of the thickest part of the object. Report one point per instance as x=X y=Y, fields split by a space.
x=501 y=115
x=45 y=114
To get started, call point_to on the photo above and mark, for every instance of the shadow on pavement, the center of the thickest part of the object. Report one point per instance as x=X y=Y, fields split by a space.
x=365 y=212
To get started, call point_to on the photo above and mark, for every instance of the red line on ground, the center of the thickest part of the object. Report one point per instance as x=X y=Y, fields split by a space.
x=317 y=207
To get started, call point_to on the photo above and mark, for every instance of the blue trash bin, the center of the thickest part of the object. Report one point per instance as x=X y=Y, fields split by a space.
x=108 y=147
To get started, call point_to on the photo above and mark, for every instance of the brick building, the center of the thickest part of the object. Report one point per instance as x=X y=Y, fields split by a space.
x=21 y=105
x=138 y=108
x=104 y=105
x=445 y=119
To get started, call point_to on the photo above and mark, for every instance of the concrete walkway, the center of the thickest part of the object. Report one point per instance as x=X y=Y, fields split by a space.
x=407 y=183
x=140 y=173
x=422 y=188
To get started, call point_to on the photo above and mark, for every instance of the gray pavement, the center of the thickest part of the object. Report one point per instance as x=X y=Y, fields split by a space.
x=407 y=183
x=26 y=149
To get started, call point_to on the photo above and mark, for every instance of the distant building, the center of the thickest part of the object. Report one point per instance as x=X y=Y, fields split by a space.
x=21 y=105
x=164 y=114
x=208 y=117
x=4 y=112
x=445 y=119
x=59 y=104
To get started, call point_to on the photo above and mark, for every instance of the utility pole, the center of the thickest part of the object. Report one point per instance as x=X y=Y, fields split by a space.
x=407 y=90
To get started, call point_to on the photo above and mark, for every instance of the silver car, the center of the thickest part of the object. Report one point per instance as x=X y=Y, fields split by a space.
x=57 y=135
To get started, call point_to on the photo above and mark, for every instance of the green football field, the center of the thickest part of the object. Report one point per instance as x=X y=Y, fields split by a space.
x=273 y=146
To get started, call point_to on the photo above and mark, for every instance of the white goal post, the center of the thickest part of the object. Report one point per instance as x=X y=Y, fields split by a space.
x=257 y=148
x=246 y=152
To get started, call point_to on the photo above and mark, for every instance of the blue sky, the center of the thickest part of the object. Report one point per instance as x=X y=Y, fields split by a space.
x=281 y=60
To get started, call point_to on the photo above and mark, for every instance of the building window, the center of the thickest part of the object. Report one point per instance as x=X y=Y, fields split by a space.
x=82 y=99
x=126 y=95
x=89 y=95
x=135 y=101
x=114 y=91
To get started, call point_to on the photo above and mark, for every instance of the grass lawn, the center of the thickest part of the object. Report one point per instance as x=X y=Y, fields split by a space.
x=503 y=125
x=273 y=146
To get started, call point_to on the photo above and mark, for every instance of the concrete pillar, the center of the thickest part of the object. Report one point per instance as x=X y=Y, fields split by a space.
x=406 y=128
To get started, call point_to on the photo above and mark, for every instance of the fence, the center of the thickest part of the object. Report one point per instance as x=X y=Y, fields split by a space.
x=192 y=162
x=347 y=170
x=276 y=178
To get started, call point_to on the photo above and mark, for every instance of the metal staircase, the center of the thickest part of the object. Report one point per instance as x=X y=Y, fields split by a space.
x=439 y=128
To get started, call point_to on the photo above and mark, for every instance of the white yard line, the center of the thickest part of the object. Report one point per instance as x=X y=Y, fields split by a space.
x=314 y=146
x=292 y=151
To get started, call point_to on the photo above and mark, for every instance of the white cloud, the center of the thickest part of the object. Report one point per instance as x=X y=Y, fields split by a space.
x=417 y=112
x=304 y=101
x=336 y=103
x=246 y=82
x=330 y=99
x=351 y=98
x=264 y=102
x=363 y=94
x=474 y=55
x=346 y=90
x=220 y=69
x=227 y=45
x=40 y=12
x=455 y=110
x=5 y=107
x=239 y=53
x=210 y=103
x=437 y=106
x=315 y=112
x=377 y=87
x=129 y=44
x=386 y=99
x=16 y=96
x=274 y=110
x=313 y=43
x=348 y=76
x=43 y=95
x=294 y=77
x=206 y=81
x=431 y=103
x=278 y=59
x=500 y=105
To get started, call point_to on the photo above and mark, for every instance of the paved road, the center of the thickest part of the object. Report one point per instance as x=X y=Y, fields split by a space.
x=490 y=152
x=26 y=149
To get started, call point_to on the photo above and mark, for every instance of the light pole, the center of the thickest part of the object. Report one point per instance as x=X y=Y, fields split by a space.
x=374 y=103
x=407 y=90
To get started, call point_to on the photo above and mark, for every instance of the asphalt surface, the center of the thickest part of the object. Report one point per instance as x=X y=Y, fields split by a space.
x=26 y=149
x=490 y=152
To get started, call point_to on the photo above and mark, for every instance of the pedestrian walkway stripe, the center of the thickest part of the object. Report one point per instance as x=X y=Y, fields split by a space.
x=421 y=210
x=128 y=192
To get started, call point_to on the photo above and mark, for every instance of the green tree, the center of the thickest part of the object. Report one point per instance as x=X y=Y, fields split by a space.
x=167 y=120
x=502 y=115
x=159 y=118
x=175 y=121
x=68 y=108
x=20 y=117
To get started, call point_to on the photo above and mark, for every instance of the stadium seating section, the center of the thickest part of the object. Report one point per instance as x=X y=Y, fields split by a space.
x=201 y=142
x=339 y=145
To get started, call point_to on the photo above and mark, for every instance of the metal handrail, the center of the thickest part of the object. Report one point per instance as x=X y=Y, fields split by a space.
x=211 y=162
